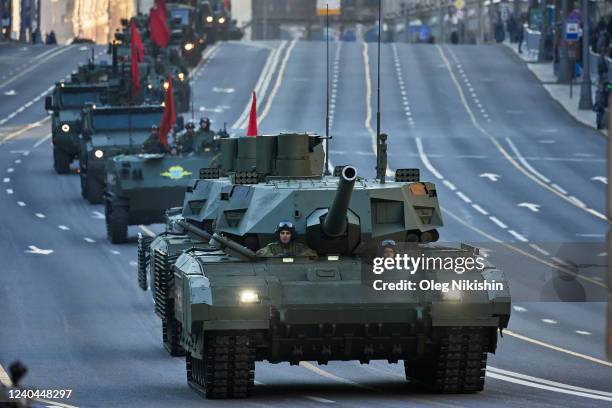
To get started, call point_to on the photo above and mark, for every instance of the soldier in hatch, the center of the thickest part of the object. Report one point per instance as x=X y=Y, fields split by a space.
x=206 y=135
x=285 y=245
x=153 y=144
x=186 y=141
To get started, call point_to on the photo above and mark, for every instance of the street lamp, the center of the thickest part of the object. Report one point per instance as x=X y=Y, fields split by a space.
x=586 y=99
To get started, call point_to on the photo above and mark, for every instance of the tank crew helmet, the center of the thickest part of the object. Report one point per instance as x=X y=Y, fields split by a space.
x=388 y=247
x=190 y=125
x=205 y=123
x=286 y=226
x=154 y=128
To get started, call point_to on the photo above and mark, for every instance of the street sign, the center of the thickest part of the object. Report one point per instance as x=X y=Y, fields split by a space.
x=572 y=30
x=332 y=5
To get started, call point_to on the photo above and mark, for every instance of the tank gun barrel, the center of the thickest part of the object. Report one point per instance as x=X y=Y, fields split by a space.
x=234 y=246
x=335 y=220
x=195 y=230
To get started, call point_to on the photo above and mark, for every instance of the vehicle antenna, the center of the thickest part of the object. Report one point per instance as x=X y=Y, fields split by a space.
x=327 y=137
x=379 y=159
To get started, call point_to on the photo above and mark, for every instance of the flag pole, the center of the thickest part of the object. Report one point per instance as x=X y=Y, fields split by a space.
x=327 y=137
x=379 y=169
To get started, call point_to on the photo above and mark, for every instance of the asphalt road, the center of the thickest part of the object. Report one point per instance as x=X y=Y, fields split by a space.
x=472 y=118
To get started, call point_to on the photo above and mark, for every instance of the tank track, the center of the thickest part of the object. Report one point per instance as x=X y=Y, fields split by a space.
x=144 y=244
x=171 y=337
x=456 y=365
x=227 y=369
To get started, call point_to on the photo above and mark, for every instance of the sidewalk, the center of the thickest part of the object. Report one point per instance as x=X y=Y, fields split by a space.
x=559 y=92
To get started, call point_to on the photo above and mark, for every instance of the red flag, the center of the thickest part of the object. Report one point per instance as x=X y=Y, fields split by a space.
x=135 y=71
x=158 y=21
x=161 y=5
x=136 y=41
x=252 y=130
x=169 y=116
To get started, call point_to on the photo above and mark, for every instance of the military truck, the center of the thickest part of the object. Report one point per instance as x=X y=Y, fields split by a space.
x=65 y=103
x=106 y=132
x=192 y=40
x=139 y=188
x=232 y=307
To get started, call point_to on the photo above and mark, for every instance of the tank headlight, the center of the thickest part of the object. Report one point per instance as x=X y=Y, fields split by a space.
x=181 y=76
x=452 y=294
x=333 y=257
x=65 y=128
x=166 y=85
x=221 y=20
x=99 y=154
x=249 y=296
x=149 y=86
x=189 y=46
x=210 y=19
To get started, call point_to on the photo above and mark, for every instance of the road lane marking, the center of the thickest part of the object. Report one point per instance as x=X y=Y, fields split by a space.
x=97 y=215
x=549 y=321
x=6 y=180
x=603 y=179
x=426 y=161
x=519 y=309
x=23 y=130
x=334 y=377
x=521 y=168
x=540 y=249
x=491 y=176
x=480 y=209
x=20 y=73
x=40 y=215
x=546 y=382
x=546 y=387
x=33 y=249
x=531 y=206
x=87 y=239
x=463 y=197
x=63 y=227
x=21 y=203
x=498 y=222
x=277 y=84
x=448 y=184
x=518 y=236
x=262 y=83
x=583 y=332
x=41 y=141
x=9 y=191
x=557 y=348
x=520 y=251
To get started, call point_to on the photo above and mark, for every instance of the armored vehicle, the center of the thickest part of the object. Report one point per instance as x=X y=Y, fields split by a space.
x=139 y=188
x=192 y=41
x=108 y=131
x=229 y=306
x=65 y=103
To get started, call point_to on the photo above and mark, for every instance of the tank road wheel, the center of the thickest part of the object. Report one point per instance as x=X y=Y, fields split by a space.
x=61 y=161
x=94 y=189
x=144 y=251
x=227 y=369
x=457 y=365
x=171 y=335
x=116 y=222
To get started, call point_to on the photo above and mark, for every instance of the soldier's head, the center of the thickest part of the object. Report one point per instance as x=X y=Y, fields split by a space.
x=190 y=126
x=155 y=130
x=205 y=124
x=389 y=248
x=285 y=232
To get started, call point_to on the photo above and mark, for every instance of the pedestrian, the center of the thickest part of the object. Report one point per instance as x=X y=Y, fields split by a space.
x=51 y=40
x=520 y=33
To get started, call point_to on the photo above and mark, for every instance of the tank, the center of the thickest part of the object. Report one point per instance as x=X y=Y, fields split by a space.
x=65 y=104
x=230 y=306
x=107 y=132
x=139 y=188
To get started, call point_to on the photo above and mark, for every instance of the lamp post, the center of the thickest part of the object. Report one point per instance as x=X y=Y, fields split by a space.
x=586 y=99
